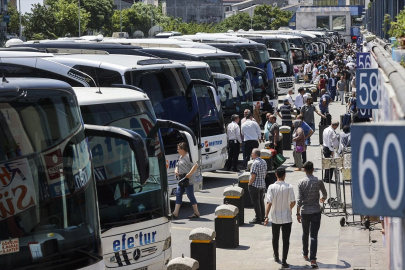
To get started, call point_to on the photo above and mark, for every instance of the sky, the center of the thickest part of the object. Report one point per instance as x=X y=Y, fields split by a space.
x=26 y=4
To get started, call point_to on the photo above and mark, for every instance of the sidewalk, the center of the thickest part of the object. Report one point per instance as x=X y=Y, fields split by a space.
x=349 y=247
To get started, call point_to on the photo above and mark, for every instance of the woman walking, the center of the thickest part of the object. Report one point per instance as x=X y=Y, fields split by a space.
x=299 y=143
x=185 y=169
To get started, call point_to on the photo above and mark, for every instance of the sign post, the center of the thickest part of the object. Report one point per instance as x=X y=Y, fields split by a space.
x=368 y=88
x=378 y=169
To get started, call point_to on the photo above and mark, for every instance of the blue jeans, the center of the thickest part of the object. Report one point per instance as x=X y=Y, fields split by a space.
x=310 y=226
x=308 y=141
x=190 y=194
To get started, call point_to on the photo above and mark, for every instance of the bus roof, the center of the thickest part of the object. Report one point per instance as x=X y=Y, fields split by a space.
x=14 y=54
x=117 y=62
x=192 y=64
x=31 y=83
x=157 y=42
x=76 y=45
x=222 y=37
x=91 y=95
x=197 y=52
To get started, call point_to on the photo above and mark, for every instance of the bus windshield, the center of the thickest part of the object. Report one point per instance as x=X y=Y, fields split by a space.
x=212 y=120
x=280 y=46
x=166 y=88
x=256 y=55
x=48 y=213
x=121 y=197
x=233 y=67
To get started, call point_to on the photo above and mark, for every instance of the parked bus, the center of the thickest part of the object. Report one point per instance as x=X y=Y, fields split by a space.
x=49 y=217
x=134 y=218
x=167 y=84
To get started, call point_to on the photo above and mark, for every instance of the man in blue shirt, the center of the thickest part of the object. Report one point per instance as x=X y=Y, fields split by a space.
x=332 y=84
x=324 y=102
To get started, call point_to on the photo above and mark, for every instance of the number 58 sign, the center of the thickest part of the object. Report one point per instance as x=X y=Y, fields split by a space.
x=368 y=88
x=378 y=169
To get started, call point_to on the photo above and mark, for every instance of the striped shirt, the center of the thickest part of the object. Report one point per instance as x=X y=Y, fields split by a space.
x=259 y=168
x=184 y=166
x=308 y=194
x=285 y=111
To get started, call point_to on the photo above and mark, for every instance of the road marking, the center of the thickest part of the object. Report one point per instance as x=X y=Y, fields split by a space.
x=182 y=228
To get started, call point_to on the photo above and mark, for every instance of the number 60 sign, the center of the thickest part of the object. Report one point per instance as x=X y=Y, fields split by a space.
x=378 y=169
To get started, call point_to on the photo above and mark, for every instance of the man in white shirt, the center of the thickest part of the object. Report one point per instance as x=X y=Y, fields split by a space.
x=234 y=142
x=252 y=134
x=289 y=97
x=330 y=143
x=299 y=100
x=280 y=200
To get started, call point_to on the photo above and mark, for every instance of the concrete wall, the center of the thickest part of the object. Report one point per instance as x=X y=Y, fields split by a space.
x=200 y=11
x=307 y=20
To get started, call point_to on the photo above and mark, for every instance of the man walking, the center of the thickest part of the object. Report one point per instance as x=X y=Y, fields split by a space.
x=307 y=111
x=324 y=102
x=251 y=136
x=309 y=211
x=245 y=113
x=257 y=185
x=289 y=98
x=341 y=86
x=330 y=143
x=280 y=200
x=234 y=142
x=273 y=133
x=285 y=110
x=299 y=99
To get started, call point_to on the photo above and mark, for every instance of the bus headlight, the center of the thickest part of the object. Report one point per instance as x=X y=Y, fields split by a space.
x=168 y=243
x=223 y=151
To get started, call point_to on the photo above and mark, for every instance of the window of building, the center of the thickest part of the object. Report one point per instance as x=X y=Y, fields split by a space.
x=227 y=8
x=339 y=23
x=322 y=22
x=325 y=2
x=357 y=2
x=357 y=20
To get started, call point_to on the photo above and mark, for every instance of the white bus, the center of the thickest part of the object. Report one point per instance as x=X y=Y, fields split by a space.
x=135 y=227
x=49 y=212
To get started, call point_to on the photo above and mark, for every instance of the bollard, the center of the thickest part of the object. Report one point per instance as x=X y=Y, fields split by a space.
x=183 y=263
x=267 y=145
x=249 y=165
x=267 y=156
x=286 y=130
x=226 y=226
x=314 y=94
x=271 y=178
x=234 y=196
x=243 y=182
x=203 y=248
x=279 y=147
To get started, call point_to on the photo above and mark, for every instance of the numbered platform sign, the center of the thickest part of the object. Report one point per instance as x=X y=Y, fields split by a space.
x=368 y=88
x=378 y=169
x=363 y=60
x=365 y=113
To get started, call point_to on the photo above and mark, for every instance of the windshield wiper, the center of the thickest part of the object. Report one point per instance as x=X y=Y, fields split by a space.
x=89 y=254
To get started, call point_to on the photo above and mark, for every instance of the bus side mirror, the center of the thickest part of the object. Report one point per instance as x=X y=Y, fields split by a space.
x=192 y=147
x=232 y=82
x=134 y=141
x=216 y=97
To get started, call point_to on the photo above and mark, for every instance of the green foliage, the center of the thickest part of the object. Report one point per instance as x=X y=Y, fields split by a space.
x=386 y=23
x=398 y=27
x=266 y=17
x=14 y=24
x=101 y=12
x=67 y=18
x=235 y=22
x=40 y=21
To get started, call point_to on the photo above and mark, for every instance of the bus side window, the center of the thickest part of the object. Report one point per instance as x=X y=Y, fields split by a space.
x=103 y=77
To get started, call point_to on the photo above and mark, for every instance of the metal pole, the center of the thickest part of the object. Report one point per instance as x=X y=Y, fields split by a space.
x=251 y=17
x=19 y=3
x=79 y=20
x=120 y=19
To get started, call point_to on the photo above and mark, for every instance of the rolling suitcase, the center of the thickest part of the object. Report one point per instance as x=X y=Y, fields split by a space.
x=321 y=129
x=327 y=121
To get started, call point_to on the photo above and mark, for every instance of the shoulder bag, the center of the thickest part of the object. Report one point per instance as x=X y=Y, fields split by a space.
x=183 y=181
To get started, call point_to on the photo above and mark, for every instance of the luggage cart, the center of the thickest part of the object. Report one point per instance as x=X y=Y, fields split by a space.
x=336 y=205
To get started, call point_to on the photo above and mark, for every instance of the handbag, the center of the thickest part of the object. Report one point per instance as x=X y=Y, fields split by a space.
x=183 y=181
x=299 y=149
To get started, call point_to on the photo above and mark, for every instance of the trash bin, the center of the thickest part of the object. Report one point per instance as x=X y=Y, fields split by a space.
x=234 y=196
x=267 y=155
x=286 y=130
x=314 y=94
x=226 y=226
x=203 y=248
x=243 y=182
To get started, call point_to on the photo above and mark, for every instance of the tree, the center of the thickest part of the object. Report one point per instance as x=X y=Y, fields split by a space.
x=14 y=24
x=40 y=22
x=266 y=17
x=101 y=12
x=67 y=18
x=235 y=22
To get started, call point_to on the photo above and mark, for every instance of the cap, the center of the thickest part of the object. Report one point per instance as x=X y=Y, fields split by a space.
x=286 y=99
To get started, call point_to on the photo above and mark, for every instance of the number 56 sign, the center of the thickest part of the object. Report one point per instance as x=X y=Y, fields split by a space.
x=378 y=169
x=368 y=88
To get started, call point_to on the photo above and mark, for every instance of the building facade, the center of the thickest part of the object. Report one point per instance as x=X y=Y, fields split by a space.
x=199 y=11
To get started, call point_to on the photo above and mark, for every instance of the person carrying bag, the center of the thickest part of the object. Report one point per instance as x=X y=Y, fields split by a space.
x=299 y=143
x=185 y=173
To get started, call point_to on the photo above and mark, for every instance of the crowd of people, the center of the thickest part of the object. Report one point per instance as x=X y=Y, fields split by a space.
x=334 y=80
